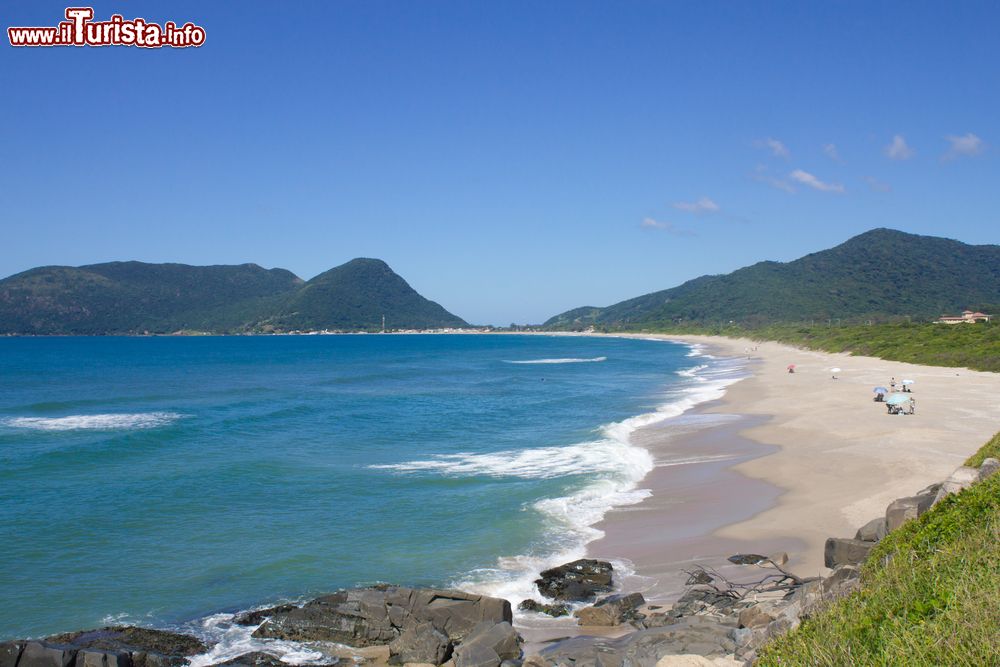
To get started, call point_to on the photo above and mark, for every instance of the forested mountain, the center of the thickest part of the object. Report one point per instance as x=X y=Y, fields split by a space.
x=882 y=273
x=135 y=297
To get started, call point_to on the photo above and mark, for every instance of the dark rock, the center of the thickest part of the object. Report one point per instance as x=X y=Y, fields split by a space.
x=378 y=615
x=612 y=610
x=94 y=658
x=842 y=551
x=255 y=659
x=746 y=559
x=9 y=653
x=44 y=654
x=873 y=531
x=420 y=643
x=258 y=616
x=554 y=610
x=904 y=509
x=130 y=639
x=578 y=581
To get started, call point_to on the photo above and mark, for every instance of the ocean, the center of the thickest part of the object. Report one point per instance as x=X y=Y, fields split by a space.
x=172 y=481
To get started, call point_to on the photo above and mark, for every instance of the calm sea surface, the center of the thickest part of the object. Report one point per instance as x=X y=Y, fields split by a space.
x=160 y=480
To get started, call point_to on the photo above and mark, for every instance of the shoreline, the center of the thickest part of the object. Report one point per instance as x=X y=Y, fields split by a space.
x=836 y=458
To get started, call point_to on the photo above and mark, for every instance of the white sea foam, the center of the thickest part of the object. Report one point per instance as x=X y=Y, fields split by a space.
x=539 y=463
x=570 y=360
x=102 y=422
x=615 y=465
x=229 y=640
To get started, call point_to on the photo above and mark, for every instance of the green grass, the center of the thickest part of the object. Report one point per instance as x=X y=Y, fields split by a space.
x=930 y=594
x=959 y=345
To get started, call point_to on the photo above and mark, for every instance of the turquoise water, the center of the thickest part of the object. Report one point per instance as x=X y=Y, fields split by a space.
x=159 y=480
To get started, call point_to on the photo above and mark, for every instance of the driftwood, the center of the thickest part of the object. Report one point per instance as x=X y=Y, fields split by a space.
x=782 y=580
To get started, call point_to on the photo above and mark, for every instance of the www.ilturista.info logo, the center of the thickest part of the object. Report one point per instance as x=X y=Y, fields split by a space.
x=79 y=29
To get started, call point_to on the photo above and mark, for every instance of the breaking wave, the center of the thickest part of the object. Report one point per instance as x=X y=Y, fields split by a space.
x=570 y=360
x=103 y=422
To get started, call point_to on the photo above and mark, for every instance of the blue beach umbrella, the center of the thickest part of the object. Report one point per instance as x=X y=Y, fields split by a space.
x=897 y=399
x=880 y=390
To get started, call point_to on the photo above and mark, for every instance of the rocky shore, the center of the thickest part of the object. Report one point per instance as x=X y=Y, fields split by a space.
x=720 y=619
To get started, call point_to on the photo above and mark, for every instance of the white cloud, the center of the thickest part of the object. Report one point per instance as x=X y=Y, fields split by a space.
x=967 y=145
x=805 y=178
x=761 y=174
x=703 y=205
x=663 y=225
x=777 y=148
x=898 y=149
x=877 y=185
x=832 y=152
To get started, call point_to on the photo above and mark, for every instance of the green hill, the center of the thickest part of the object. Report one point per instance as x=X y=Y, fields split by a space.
x=877 y=275
x=135 y=297
x=355 y=296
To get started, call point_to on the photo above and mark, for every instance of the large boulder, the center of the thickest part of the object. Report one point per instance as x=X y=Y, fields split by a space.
x=44 y=654
x=10 y=652
x=488 y=645
x=420 y=643
x=579 y=581
x=873 y=531
x=902 y=510
x=962 y=478
x=376 y=616
x=842 y=551
x=612 y=610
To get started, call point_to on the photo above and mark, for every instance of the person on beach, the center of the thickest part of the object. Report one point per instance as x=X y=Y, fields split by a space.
x=892 y=384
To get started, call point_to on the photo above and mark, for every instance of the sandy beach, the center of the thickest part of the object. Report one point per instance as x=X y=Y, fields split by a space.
x=801 y=457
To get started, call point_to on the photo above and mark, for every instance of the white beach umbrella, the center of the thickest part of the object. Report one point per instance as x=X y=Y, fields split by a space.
x=834 y=370
x=907 y=381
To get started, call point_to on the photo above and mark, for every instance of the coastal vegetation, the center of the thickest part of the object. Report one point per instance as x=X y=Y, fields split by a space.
x=138 y=298
x=928 y=594
x=975 y=346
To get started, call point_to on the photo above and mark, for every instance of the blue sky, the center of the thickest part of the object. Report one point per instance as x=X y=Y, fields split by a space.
x=510 y=159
